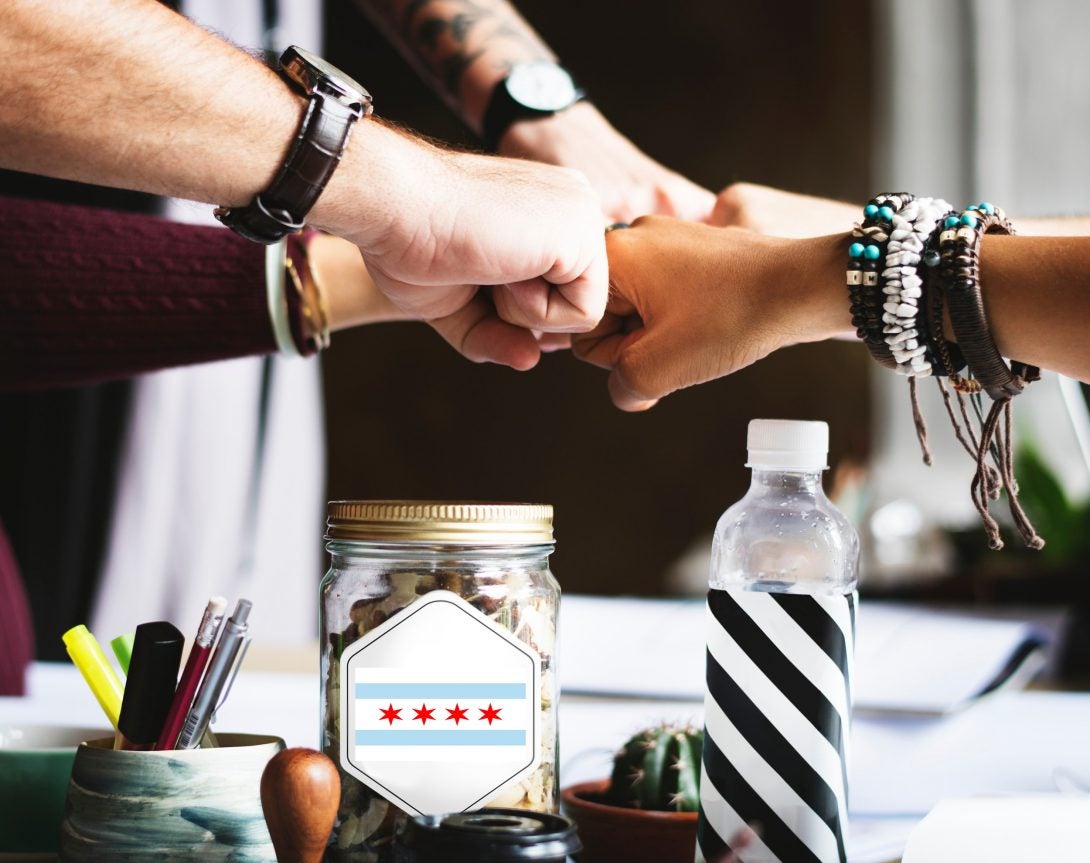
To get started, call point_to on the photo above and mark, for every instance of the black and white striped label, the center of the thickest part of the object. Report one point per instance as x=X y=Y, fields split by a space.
x=776 y=714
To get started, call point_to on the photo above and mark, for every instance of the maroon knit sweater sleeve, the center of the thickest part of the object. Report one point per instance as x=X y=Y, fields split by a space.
x=16 y=635
x=88 y=295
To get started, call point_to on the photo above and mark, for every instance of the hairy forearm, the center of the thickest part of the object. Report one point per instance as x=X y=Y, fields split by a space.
x=462 y=47
x=127 y=93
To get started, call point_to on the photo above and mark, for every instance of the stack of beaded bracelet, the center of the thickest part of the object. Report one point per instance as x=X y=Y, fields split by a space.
x=898 y=313
x=885 y=287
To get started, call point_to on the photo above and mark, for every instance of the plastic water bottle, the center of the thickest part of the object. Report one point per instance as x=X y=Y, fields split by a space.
x=781 y=631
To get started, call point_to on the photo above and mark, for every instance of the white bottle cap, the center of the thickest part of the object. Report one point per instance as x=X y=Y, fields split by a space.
x=788 y=444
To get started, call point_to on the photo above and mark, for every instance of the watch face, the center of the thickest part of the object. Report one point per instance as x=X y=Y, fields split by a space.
x=311 y=71
x=541 y=86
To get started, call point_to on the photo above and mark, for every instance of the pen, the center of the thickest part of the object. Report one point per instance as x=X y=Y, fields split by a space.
x=122 y=646
x=191 y=676
x=153 y=672
x=96 y=670
x=232 y=639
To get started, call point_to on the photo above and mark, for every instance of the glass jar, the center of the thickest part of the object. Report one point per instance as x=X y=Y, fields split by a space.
x=424 y=708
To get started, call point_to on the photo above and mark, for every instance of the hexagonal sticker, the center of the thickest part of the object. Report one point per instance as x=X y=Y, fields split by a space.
x=440 y=707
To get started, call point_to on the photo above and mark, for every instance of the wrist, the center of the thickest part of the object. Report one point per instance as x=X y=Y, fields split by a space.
x=810 y=280
x=338 y=269
x=542 y=139
x=377 y=183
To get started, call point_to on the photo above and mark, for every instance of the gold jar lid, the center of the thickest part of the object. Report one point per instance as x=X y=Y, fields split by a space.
x=440 y=522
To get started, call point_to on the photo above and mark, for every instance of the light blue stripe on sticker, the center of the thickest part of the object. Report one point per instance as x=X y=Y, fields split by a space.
x=497 y=691
x=441 y=738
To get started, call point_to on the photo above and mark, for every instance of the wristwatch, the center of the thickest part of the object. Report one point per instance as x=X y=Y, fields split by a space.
x=334 y=103
x=531 y=91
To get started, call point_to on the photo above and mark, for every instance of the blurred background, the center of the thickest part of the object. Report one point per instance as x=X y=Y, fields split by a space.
x=768 y=93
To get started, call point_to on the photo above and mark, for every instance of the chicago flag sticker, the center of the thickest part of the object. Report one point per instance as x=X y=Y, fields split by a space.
x=439 y=707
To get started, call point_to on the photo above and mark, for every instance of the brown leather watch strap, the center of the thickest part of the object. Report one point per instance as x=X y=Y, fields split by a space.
x=282 y=208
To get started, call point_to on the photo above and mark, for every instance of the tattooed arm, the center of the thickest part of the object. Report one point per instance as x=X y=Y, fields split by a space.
x=465 y=47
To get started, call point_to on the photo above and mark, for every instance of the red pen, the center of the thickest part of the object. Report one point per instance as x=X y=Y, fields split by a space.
x=191 y=676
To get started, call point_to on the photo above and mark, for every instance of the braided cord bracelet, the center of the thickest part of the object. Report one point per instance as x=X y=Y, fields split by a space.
x=959 y=276
x=959 y=245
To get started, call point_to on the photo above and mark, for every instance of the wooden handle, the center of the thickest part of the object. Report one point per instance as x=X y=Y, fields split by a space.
x=300 y=792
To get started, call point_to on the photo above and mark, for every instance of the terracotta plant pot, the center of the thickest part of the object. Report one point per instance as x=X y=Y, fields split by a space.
x=619 y=834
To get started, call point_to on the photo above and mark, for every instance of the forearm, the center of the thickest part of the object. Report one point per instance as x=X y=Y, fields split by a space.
x=462 y=47
x=127 y=93
x=1036 y=294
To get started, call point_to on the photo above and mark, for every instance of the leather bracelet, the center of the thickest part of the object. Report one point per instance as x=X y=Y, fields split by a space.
x=959 y=272
x=281 y=209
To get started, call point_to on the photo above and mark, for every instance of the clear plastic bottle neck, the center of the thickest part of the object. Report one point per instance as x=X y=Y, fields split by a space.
x=765 y=480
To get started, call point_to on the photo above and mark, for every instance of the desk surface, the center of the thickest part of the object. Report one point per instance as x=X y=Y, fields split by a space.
x=901 y=766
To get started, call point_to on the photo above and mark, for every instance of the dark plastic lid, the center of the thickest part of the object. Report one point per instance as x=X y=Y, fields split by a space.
x=488 y=836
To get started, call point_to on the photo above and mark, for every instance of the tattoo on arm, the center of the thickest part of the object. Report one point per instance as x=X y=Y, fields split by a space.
x=444 y=38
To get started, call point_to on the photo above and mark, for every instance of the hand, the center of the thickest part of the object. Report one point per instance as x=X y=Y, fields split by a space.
x=486 y=250
x=630 y=183
x=690 y=303
x=781 y=214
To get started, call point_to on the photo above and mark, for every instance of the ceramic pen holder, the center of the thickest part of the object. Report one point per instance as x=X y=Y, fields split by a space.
x=182 y=806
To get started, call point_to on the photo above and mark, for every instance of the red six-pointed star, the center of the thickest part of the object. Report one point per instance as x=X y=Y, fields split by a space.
x=491 y=713
x=457 y=714
x=424 y=714
x=389 y=714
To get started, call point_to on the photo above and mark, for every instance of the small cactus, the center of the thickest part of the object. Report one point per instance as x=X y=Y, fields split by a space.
x=659 y=768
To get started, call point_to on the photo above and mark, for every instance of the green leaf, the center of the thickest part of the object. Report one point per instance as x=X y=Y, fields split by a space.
x=1062 y=525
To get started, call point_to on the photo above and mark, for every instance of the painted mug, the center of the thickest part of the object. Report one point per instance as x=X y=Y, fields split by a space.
x=178 y=806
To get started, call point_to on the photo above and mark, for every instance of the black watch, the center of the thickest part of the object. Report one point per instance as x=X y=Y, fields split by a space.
x=531 y=91
x=334 y=103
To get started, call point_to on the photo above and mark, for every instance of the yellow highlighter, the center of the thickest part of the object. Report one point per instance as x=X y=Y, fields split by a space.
x=96 y=670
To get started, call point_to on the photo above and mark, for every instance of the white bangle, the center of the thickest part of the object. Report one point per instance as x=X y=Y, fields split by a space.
x=275 y=277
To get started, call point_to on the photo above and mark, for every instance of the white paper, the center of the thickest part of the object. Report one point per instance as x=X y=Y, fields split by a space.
x=923 y=661
x=907 y=658
x=1004 y=830
x=1014 y=742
